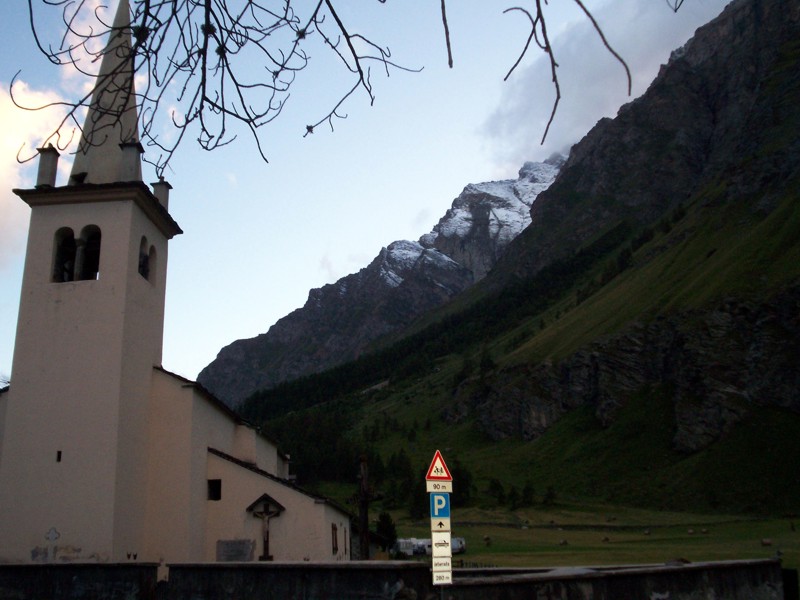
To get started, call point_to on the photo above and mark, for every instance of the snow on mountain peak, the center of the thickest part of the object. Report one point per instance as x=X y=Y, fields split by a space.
x=403 y=256
x=507 y=202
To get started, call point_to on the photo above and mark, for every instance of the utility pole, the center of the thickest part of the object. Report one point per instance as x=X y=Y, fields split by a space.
x=364 y=497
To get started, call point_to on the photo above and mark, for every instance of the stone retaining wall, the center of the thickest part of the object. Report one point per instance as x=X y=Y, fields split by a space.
x=394 y=580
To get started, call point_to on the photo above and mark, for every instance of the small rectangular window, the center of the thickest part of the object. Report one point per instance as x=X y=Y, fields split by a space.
x=215 y=489
x=58 y=456
x=335 y=539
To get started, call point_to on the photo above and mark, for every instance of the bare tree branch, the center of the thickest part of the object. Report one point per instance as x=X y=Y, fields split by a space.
x=194 y=64
x=447 y=35
x=675 y=5
x=606 y=44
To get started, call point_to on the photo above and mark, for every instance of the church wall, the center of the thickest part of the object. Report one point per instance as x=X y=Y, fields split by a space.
x=185 y=524
x=244 y=444
x=168 y=523
x=302 y=532
x=211 y=427
x=269 y=459
x=142 y=341
x=183 y=425
x=227 y=521
x=59 y=462
x=3 y=405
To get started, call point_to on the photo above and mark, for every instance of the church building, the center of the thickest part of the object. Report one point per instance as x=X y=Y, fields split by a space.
x=104 y=455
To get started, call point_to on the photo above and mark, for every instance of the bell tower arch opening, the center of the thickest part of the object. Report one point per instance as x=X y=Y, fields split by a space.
x=64 y=250
x=147 y=259
x=88 y=255
x=144 y=259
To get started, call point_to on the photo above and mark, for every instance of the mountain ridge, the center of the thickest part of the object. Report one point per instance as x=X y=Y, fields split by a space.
x=339 y=321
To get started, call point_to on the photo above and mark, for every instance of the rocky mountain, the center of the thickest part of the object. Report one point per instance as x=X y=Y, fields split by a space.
x=718 y=130
x=407 y=279
x=709 y=114
x=638 y=341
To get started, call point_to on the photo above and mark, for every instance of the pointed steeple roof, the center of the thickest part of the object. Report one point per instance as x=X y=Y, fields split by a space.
x=109 y=150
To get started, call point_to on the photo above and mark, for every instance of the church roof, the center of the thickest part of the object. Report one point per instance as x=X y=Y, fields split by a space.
x=251 y=467
x=219 y=404
x=111 y=127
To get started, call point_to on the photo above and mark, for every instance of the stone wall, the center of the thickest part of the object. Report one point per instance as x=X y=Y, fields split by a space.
x=309 y=581
x=73 y=581
x=394 y=580
x=730 y=580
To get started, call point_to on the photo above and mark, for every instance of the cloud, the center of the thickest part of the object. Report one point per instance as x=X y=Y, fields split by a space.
x=327 y=267
x=593 y=82
x=423 y=219
x=21 y=132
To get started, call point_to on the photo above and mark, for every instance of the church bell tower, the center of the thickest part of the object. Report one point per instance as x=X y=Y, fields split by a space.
x=74 y=447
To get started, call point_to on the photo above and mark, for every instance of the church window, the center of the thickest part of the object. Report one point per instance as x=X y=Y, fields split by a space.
x=151 y=259
x=334 y=538
x=64 y=255
x=144 y=259
x=88 y=255
x=215 y=489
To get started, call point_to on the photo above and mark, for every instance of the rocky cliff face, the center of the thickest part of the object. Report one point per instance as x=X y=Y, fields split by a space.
x=407 y=279
x=719 y=363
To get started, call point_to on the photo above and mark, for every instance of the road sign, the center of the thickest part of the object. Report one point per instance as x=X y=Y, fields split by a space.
x=440 y=506
x=440 y=512
x=444 y=563
x=440 y=544
x=439 y=482
x=440 y=524
x=442 y=577
x=438 y=471
x=439 y=486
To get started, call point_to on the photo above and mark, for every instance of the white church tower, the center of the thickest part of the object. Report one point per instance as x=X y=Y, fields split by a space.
x=73 y=463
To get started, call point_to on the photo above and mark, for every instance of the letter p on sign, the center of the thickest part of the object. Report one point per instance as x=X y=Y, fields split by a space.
x=440 y=506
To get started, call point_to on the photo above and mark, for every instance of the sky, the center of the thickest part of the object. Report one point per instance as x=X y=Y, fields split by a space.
x=259 y=236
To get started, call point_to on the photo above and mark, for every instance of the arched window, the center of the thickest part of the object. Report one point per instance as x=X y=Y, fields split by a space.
x=144 y=259
x=152 y=262
x=64 y=255
x=88 y=258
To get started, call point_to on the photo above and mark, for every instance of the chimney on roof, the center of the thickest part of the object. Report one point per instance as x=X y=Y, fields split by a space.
x=48 y=166
x=161 y=190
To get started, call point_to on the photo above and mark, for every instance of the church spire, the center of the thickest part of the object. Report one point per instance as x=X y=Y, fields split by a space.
x=109 y=150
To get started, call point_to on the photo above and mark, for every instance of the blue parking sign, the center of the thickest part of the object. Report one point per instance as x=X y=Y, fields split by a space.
x=440 y=506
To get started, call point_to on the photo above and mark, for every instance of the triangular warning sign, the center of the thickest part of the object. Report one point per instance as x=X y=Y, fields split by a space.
x=438 y=471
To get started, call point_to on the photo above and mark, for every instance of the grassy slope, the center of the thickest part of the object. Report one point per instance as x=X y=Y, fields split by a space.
x=714 y=252
x=710 y=254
